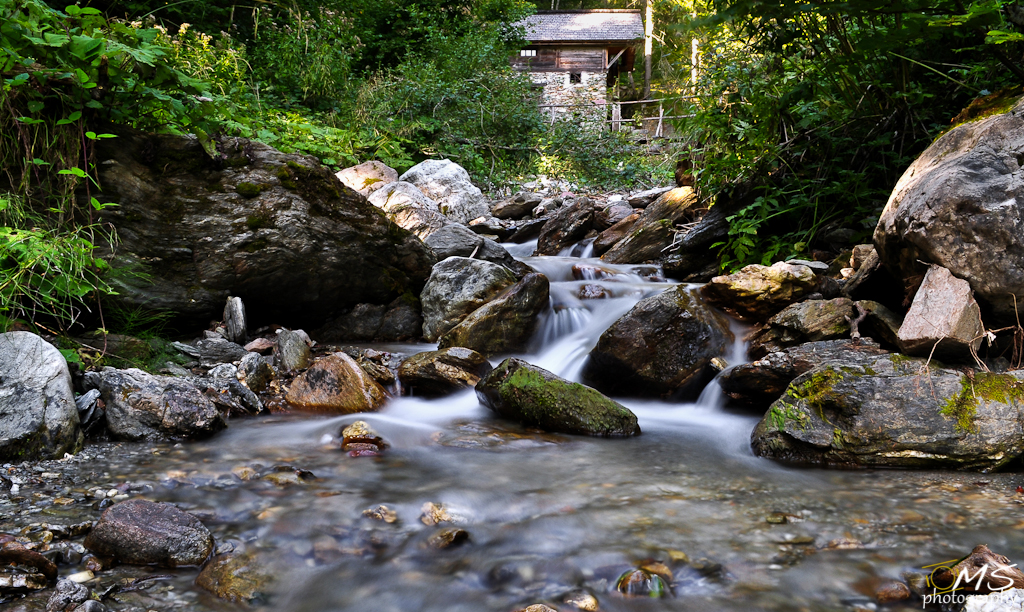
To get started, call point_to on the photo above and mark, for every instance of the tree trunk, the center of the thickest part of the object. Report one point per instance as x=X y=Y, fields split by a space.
x=648 y=46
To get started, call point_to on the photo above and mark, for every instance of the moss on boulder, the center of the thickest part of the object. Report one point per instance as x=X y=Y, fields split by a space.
x=535 y=397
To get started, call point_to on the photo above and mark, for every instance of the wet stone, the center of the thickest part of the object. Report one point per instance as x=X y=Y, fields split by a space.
x=66 y=596
x=142 y=532
x=381 y=513
x=447 y=538
x=640 y=583
x=892 y=591
x=581 y=600
x=238 y=578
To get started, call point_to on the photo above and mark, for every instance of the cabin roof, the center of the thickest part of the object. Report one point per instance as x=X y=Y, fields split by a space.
x=601 y=25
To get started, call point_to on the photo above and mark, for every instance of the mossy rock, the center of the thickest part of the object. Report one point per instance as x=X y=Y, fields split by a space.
x=533 y=396
x=896 y=412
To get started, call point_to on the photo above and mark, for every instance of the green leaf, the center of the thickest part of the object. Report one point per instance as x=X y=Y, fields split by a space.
x=74 y=171
x=34 y=106
x=40 y=162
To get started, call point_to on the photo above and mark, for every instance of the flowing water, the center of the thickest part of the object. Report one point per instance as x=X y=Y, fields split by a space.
x=549 y=514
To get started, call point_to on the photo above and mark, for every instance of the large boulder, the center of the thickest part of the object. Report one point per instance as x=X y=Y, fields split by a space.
x=944 y=319
x=336 y=384
x=663 y=345
x=960 y=205
x=609 y=237
x=533 y=396
x=277 y=230
x=457 y=286
x=506 y=323
x=143 y=406
x=38 y=418
x=142 y=532
x=895 y=411
x=655 y=229
x=566 y=227
x=407 y=207
x=757 y=292
x=761 y=382
x=807 y=321
x=455 y=240
x=435 y=373
x=398 y=321
x=448 y=184
x=367 y=177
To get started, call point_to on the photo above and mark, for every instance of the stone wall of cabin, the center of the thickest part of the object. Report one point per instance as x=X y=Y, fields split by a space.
x=589 y=97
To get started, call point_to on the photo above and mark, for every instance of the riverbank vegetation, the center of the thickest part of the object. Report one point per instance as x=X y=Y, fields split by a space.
x=807 y=114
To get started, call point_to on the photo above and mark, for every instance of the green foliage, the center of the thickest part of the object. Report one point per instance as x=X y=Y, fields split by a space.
x=63 y=71
x=810 y=112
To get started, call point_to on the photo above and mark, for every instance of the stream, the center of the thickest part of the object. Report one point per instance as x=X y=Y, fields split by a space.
x=547 y=514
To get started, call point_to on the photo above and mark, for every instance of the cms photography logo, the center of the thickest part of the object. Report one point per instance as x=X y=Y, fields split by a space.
x=981 y=572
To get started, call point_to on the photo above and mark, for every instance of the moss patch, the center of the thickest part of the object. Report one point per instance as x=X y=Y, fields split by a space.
x=781 y=413
x=816 y=389
x=963 y=407
x=986 y=106
x=260 y=219
x=248 y=190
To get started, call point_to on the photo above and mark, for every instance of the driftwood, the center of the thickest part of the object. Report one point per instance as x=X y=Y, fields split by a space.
x=16 y=554
x=995 y=573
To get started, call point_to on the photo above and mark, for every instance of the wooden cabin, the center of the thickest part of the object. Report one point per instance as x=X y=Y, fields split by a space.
x=575 y=58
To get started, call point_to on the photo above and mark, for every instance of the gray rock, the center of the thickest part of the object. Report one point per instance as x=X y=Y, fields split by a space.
x=518 y=207
x=254 y=372
x=141 y=406
x=230 y=395
x=456 y=240
x=761 y=382
x=457 y=286
x=663 y=345
x=896 y=412
x=808 y=321
x=213 y=351
x=881 y=324
x=653 y=231
x=757 y=292
x=409 y=208
x=141 y=532
x=612 y=214
x=642 y=199
x=292 y=351
x=448 y=184
x=505 y=324
x=943 y=317
x=38 y=416
x=566 y=227
x=819 y=267
x=224 y=370
x=186 y=349
x=235 y=322
x=436 y=373
x=300 y=248
x=960 y=205
x=91 y=606
x=66 y=596
x=367 y=177
x=533 y=396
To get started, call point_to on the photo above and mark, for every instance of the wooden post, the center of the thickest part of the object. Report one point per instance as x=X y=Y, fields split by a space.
x=661 y=116
x=616 y=117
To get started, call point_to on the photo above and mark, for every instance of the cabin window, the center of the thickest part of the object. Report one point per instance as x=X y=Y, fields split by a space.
x=528 y=53
x=575 y=77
